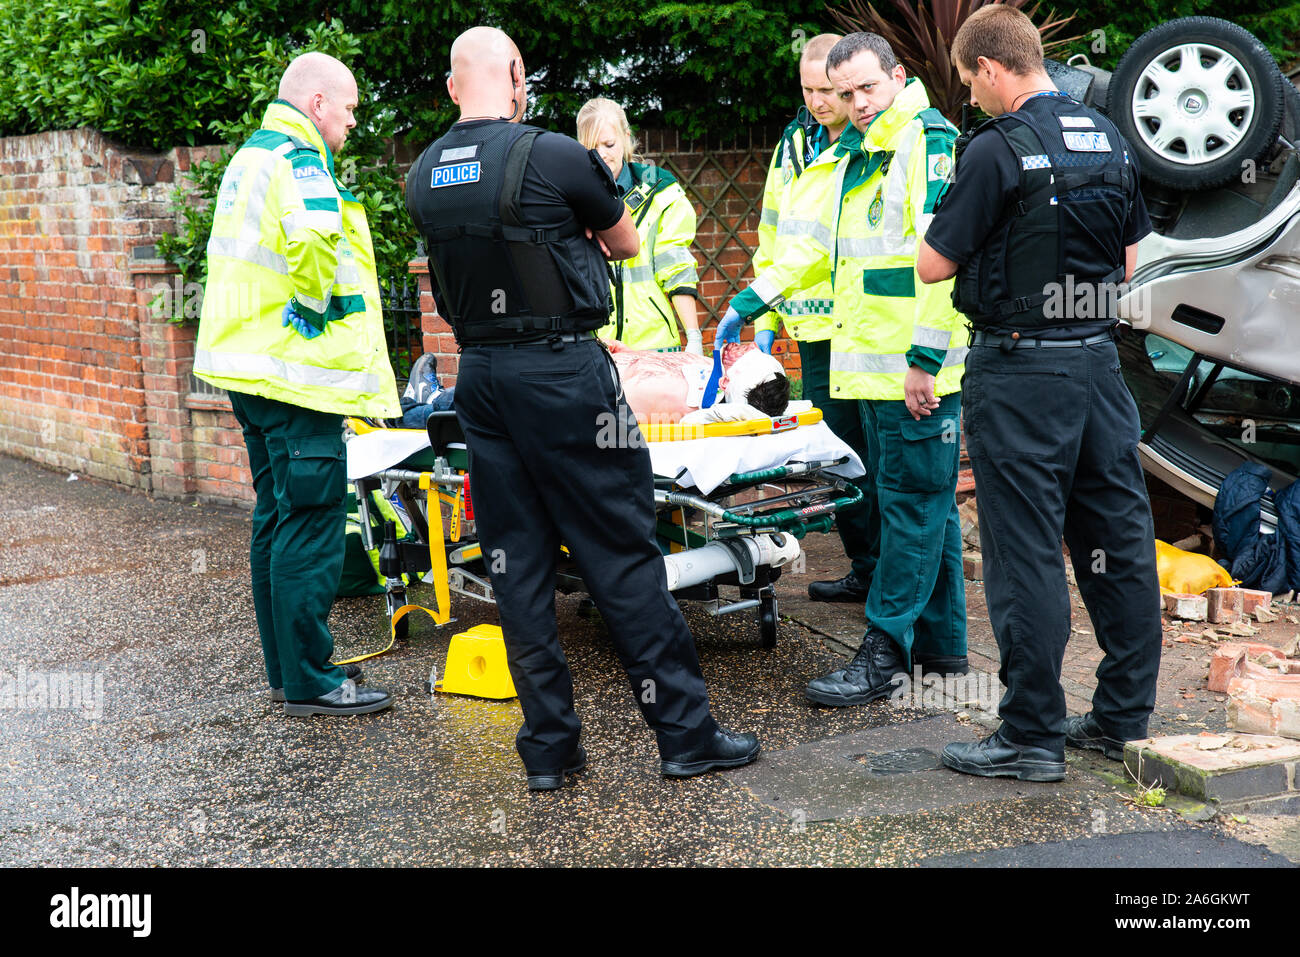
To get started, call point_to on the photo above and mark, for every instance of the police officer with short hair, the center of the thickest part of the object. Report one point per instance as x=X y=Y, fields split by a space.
x=515 y=220
x=1040 y=227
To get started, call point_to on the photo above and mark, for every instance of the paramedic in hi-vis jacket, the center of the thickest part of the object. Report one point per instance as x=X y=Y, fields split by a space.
x=291 y=327
x=518 y=223
x=800 y=177
x=655 y=289
x=896 y=348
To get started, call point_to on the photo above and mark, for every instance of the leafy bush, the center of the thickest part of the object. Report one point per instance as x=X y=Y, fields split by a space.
x=365 y=162
x=1123 y=21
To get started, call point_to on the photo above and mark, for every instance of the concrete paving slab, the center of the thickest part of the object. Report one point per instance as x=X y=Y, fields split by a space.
x=890 y=770
x=1217 y=767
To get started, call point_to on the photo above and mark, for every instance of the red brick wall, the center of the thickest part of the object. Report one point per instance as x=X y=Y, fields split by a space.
x=725 y=181
x=90 y=379
x=93 y=380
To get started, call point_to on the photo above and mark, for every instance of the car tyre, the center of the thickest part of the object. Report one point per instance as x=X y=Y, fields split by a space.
x=1196 y=99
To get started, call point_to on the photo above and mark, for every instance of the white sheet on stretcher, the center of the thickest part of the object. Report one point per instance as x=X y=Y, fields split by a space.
x=382 y=449
x=708 y=462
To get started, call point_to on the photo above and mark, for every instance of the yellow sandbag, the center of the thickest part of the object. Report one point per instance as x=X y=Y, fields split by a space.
x=1187 y=573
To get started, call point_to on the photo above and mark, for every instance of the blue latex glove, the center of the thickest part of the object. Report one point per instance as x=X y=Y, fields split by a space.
x=300 y=325
x=729 y=327
x=765 y=338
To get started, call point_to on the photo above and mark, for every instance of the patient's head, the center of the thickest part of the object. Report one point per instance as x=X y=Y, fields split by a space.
x=770 y=397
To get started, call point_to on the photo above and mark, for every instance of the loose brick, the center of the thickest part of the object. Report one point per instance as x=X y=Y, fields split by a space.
x=1225 y=605
x=1187 y=607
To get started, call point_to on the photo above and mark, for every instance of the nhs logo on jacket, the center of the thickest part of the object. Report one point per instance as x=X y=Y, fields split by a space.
x=455 y=175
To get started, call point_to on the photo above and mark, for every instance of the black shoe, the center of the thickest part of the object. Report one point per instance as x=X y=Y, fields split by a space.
x=1083 y=731
x=868 y=676
x=847 y=589
x=723 y=750
x=942 y=664
x=352 y=671
x=996 y=757
x=347 y=698
x=554 y=780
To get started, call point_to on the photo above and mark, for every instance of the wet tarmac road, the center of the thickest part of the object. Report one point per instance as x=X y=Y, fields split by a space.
x=185 y=760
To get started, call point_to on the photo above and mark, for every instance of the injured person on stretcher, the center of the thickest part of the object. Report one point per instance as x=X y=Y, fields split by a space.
x=665 y=387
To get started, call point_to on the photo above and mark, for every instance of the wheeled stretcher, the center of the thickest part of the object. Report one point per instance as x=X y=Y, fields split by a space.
x=732 y=500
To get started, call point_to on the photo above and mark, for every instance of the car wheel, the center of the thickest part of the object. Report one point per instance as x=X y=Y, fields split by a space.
x=1196 y=98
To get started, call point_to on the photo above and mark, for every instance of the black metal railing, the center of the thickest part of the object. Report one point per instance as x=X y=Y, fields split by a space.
x=402 y=322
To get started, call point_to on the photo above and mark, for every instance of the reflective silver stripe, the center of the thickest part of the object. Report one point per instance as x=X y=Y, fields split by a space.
x=318 y=219
x=931 y=338
x=885 y=364
x=806 y=227
x=243 y=365
x=315 y=305
x=764 y=289
x=876 y=246
x=923 y=225
x=256 y=203
x=768 y=217
x=249 y=252
x=638 y=274
x=347 y=274
x=317 y=187
x=673 y=256
x=896 y=197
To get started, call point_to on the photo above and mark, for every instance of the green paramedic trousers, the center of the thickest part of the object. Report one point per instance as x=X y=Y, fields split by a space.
x=297 y=460
x=918 y=596
x=859 y=527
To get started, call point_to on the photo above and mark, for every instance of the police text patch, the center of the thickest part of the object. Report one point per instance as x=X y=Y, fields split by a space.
x=1078 y=142
x=455 y=175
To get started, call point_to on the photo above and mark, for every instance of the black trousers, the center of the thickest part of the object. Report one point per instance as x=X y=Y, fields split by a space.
x=555 y=457
x=1052 y=435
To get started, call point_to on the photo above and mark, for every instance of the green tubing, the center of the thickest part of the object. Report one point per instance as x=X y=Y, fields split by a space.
x=762 y=475
x=797 y=516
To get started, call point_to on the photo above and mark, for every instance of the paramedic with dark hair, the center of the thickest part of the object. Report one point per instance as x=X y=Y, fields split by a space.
x=517 y=222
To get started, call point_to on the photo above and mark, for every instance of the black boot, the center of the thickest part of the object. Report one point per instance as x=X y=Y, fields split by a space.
x=868 y=676
x=941 y=664
x=850 y=588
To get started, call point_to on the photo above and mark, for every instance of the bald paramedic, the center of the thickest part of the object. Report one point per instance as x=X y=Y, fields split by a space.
x=291 y=328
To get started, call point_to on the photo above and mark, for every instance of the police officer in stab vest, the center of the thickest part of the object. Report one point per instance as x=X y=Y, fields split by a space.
x=516 y=220
x=1045 y=205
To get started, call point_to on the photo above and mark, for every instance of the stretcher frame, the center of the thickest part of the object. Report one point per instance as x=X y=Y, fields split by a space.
x=806 y=500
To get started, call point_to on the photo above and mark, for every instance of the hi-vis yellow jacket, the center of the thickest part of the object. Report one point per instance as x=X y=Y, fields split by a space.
x=790 y=206
x=284 y=227
x=865 y=242
x=665 y=266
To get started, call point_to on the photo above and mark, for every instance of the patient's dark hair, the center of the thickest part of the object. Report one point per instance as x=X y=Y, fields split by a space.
x=770 y=397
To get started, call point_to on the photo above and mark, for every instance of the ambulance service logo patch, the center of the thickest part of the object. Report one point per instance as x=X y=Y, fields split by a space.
x=876 y=209
x=940 y=167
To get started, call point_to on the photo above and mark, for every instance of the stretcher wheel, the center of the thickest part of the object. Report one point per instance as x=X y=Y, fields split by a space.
x=394 y=600
x=767 y=620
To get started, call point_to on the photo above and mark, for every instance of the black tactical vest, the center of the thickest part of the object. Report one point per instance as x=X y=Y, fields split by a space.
x=495 y=278
x=1063 y=232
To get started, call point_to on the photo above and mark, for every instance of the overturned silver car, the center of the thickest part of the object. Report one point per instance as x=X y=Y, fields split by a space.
x=1214 y=356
